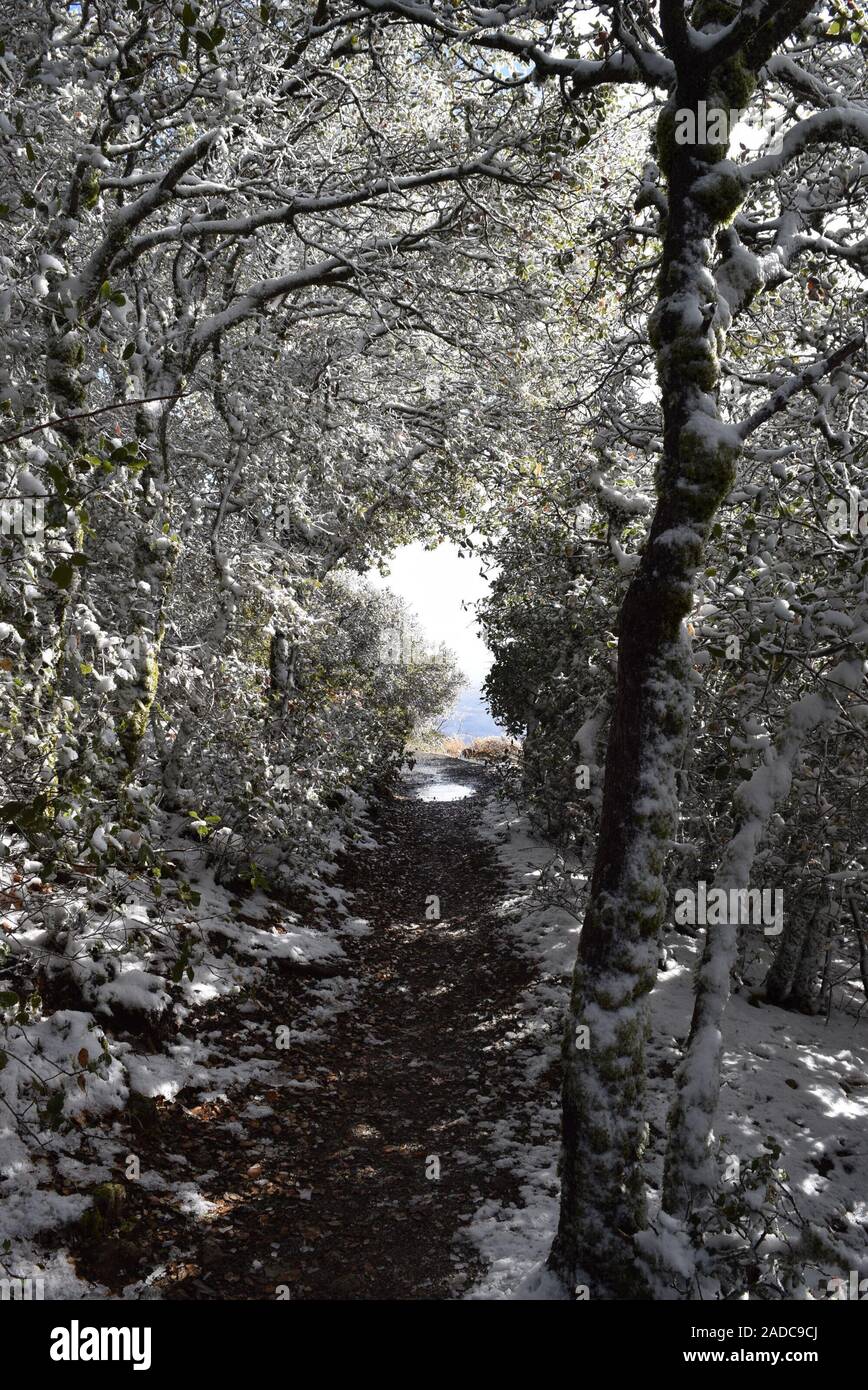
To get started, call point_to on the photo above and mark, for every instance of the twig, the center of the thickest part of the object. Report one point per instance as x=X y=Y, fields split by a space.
x=89 y=414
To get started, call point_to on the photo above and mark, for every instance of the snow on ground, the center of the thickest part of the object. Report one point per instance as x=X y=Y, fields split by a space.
x=515 y=1240
x=65 y=1080
x=799 y=1079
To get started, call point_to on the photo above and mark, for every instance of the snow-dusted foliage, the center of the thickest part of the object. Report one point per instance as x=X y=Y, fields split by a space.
x=699 y=524
x=232 y=381
x=580 y=287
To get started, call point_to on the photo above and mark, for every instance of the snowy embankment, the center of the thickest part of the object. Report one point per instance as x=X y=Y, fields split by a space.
x=801 y=1080
x=124 y=965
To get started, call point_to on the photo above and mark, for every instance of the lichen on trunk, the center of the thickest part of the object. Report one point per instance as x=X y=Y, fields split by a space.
x=604 y=1125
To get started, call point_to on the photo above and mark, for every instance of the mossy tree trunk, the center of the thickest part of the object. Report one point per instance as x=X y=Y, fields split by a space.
x=794 y=979
x=604 y=1122
x=49 y=643
x=155 y=559
x=779 y=981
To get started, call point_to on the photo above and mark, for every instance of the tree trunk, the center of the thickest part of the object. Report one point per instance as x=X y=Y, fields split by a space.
x=604 y=1125
x=779 y=981
x=805 y=993
x=48 y=642
x=689 y=1172
x=281 y=669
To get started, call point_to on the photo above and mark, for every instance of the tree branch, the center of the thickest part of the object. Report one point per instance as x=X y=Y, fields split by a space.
x=652 y=68
x=673 y=22
x=89 y=414
x=757 y=32
x=780 y=399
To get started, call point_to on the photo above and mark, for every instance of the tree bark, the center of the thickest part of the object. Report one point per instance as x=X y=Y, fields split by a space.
x=604 y=1124
x=779 y=981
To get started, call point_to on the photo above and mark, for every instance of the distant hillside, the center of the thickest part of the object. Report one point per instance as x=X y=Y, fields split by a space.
x=470 y=717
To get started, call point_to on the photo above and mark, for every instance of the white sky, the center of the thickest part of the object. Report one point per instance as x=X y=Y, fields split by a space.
x=435 y=583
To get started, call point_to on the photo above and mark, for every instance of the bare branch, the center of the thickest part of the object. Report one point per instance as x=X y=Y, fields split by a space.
x=61 y=420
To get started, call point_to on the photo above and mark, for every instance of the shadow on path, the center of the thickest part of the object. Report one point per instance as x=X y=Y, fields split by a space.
x=329 y=1193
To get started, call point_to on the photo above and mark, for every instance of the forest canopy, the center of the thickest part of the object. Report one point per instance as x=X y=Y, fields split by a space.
x=579 y=288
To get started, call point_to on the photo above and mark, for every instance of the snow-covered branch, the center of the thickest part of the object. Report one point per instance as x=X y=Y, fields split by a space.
x=800 y=381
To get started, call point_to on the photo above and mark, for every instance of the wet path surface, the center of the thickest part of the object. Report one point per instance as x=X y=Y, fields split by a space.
x=437 y=779
x=372 y=1152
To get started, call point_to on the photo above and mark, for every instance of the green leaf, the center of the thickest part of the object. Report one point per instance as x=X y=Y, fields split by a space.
x=8 y=999
x=61 y=575
x=834 y=27
x=188 y=15
x=59 y=478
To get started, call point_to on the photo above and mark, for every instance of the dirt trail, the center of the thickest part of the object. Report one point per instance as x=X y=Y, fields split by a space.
x=328 y=1193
